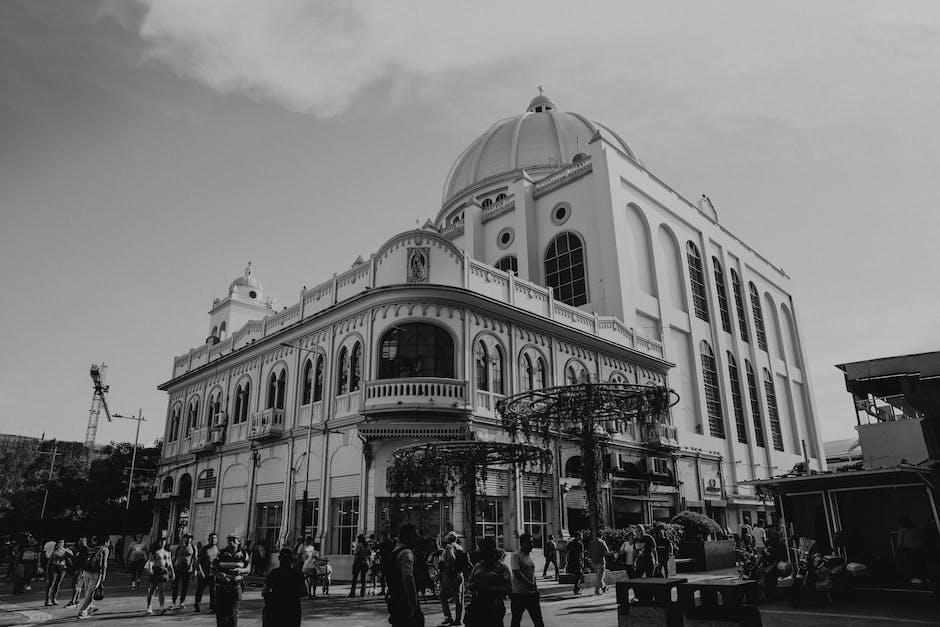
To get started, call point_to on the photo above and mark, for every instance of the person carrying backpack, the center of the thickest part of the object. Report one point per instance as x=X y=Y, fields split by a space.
x=402 y=598
x=93 y=576
x=454 y=566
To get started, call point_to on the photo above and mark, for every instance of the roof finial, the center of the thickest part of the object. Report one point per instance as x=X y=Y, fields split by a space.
x=541 y=91
x=248 y=269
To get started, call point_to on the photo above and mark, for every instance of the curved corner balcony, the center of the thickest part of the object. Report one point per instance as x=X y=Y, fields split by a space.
x=424 y=394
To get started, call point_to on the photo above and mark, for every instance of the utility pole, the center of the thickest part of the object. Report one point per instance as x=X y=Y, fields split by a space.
x=130 y=481
x=45 y=498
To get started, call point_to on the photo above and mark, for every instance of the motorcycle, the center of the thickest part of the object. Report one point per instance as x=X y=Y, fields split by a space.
x=758 y=565
x=812 y=573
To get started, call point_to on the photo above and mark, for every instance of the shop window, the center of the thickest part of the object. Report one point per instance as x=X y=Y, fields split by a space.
x=535 y=520
x=268 y=524
x=306 y=522
x=344 y=519
x=491 y=520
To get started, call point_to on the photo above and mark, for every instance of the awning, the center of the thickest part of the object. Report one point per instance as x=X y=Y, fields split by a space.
x=716 y=502
x=452 y=431
x=694 y=503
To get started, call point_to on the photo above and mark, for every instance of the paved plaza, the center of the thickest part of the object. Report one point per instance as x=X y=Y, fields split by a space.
x=560 y=608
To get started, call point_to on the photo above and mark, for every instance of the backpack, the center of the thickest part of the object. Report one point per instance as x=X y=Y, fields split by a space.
x=461 y=564
x=94 y=562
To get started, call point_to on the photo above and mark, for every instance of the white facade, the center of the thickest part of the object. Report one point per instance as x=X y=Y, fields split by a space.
x=525 y=182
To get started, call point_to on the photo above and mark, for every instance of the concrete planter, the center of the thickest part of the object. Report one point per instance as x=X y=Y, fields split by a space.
x=709 y=554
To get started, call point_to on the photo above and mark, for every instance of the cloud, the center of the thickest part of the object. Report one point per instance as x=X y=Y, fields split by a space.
x=316 y=57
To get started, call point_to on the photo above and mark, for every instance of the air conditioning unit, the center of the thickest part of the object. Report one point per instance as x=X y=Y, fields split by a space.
x=217 y=436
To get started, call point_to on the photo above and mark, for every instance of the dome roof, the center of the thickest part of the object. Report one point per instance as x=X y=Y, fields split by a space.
x=542 y=137
x=246 y=280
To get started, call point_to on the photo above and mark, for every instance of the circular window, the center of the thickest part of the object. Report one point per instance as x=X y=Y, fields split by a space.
x=505 y=238
x=252 y=294
x=561 y=213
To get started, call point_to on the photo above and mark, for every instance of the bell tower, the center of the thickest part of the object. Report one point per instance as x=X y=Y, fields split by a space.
x=245 y=301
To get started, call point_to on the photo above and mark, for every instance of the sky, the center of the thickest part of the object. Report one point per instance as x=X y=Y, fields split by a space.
x=150 y=148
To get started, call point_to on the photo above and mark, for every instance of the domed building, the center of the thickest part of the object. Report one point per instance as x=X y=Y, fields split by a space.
x=555 y=257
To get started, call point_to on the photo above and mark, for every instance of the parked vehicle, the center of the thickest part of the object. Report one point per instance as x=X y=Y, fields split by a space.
x=812 y=573
x=760 y=566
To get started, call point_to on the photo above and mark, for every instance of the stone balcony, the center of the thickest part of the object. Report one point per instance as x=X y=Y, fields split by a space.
x=416 y=394
x=661 y=435
x=199 y=440
x=266 y=424
x=310 y=414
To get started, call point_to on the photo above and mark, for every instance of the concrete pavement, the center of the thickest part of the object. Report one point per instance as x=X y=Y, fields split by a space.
x=560 y=608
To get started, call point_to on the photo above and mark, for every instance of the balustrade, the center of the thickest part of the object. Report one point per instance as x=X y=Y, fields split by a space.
x=421 y=393
x=267 y=424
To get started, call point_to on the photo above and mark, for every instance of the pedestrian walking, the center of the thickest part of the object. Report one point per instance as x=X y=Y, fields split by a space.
x=229 y=569
x=551 y=555
x=137 y=555
x=599 y=552
x=57 y=565
x=645 y=553
x=259 y=558
x=362 y=556
x=309 y=566
x=119 y=551
x=160 y=571
x=27 y=563
x=204 y=579
x=574 y=560
x=93 y=576
x=184 y=567
x=628 y=553
x=665 y=549
x=79 y=557
x=489 y=584
x=525 y=594
x=402 y=599
x=284 y=587
x=454 y=564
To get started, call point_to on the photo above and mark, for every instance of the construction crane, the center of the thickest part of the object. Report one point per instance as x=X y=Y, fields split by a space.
x=98 y=402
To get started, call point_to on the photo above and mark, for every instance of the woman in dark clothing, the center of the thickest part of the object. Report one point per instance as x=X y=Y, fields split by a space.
x=284 y=587
x=575 y=560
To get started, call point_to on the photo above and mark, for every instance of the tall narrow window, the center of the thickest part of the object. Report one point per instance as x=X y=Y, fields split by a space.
x=242 y=396
x=498 y=386
x=483 y=367
x=342 y=382
x=772 y=413
x=280 y=389
x=307 y=393
x=716 y=421
x=736 y=401
x=215 y=406
x=355 y=368
x=272 y=391
x=193 y=416
x=526 y=374
x=564 y=269
x=759 y=332
x=539 y=379
x=175 y=424
x=722 y=296
x=318 y=380
x=739 y=304
x=755 y=404
x=509 y=263
x=222 y=330
x=697 y=280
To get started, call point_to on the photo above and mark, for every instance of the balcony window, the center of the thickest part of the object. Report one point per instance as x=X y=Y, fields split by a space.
x=509 y=263
x=318 y=380
x=174 y=433
x=416 y=349
x=192 y=416
x=498 y=383
x=355 y=368
x=242 y=396
x=342 y=384
x=277 y=385
x=482 y=367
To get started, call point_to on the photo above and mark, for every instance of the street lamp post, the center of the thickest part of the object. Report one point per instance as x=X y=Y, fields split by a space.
x=45 y=497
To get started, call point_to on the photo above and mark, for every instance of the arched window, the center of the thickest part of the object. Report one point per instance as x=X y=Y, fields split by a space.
x=416 y=349
x=167 y=486
x=526 y=374
x=498 y=385
x=242 y=396
x=739 y=304
x=564 y=269
x=573 y=467
x=342 y=382
x=175 y=424
x=482 y=367
x=722 y=296
x=215 y=332
x=307 y=391
x=487 y=202
x=318 y=380
x=772 y=413
x=500 y=197
x=277 y=386
x=215 y=405
x=759 y=332
x=509 y=263
x=538 y=379
x=192 y=417
x=755 y=404
x=355 y=368
x=736 y=401
x=716 y=421
x=697 y=280
x=222 y=330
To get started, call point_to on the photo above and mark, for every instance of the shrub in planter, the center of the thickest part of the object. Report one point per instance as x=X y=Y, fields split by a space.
x=697 y=526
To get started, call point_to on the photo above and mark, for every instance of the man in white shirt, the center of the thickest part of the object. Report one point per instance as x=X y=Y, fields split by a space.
x=525 y=595
x=760 y=537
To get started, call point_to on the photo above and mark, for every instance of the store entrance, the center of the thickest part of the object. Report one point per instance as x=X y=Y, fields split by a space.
x=432 y=516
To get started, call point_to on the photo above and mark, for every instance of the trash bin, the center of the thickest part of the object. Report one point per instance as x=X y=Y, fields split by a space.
x=655 y=602
x=720 y=602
